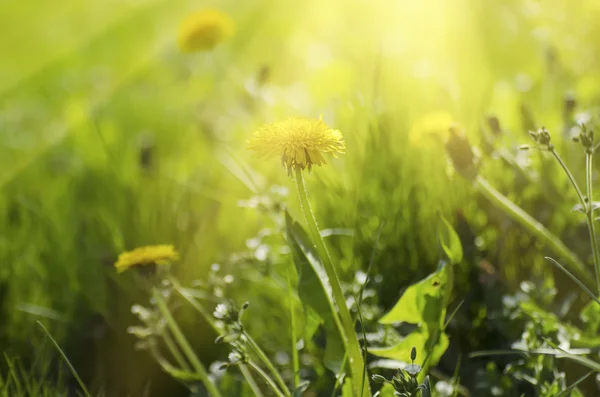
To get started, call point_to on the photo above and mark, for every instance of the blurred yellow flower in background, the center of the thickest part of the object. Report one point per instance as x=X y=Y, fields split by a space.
x=203 y=30
x=149 y=255
x=432 y=126
x=300 y=142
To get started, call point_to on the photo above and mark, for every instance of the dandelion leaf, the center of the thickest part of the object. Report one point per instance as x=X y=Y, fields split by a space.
x=451 y=242
x=315 y=295
x=423 y=304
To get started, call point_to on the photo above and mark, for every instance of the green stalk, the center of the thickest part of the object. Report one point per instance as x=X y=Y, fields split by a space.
x=265 y=359
x=185 y=345
x=266 y=378
x=295 y=358
x=210 y=320
x=533 y=226
x=250 y=379
x=589 y=214
x=586 y=204
x=172 y=346
x=195 y=304
x=357 y=366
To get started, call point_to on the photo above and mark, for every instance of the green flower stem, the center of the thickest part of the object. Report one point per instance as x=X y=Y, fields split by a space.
x=266 y=378
x=586 y=204
x=570 y=176
x=589 y=215
x=195 y=304
x=265 y=359
x=172 y=346
x=356 y=362
x=211 y=321
x=295 y=358
x=533 y=226
x=250 y=379
x=185 y=345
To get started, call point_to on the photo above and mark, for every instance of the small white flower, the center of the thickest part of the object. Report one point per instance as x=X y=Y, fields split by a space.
x=221 y=311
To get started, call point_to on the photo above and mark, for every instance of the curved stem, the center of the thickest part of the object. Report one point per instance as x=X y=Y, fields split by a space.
x=295 y=358
x=266 y=378
x=590 y=216
x=265 y=359
x=211 y=321
x=250 y=379
x=588 y=205
x=185 y=345
x=571 y=178
x=533 y=226
x=355 y=359
x=172 y=346
x=195 y=304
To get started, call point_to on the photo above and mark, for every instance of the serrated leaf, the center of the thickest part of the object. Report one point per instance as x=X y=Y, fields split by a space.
x=314 y=293
x=423 y=341
x=413 y=306
x=424 y=304
x=451 y=242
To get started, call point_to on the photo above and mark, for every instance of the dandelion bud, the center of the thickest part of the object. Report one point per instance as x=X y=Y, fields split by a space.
x=461 y=154
x=413 y=353
x=494 y=125
x=569 y=104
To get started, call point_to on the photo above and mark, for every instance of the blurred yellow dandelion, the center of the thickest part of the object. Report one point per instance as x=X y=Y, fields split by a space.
x=149 y=255
x=433 y=125
x=300 y=142
x=203 y=30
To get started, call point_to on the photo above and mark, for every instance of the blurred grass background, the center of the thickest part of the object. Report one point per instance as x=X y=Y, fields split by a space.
x=110 y=138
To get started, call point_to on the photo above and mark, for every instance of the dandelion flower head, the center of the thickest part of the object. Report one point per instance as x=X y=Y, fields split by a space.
x=203 y=30
x=300 y=142
x=149 y=255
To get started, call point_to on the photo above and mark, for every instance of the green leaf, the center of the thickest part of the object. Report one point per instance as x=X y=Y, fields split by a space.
x=347 y=387
x=451 y=242
x=590 y=315
x=424 y=304
x=423 y=341
x=414 y=306
x=314 y=293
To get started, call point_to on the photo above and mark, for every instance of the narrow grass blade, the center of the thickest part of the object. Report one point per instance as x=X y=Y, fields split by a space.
x=64 y=356
x=574 y=278
x=451 y=316
x=574 y=385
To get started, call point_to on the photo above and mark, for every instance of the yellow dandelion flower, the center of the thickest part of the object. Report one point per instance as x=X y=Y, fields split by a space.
x=149 y=255
x=203 y=30
x=300 y=142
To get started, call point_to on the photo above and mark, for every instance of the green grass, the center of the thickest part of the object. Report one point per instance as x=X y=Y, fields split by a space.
x=91 y=88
